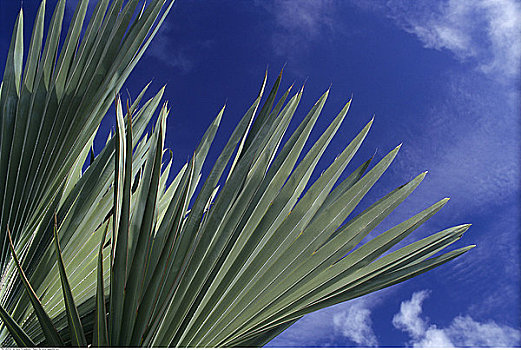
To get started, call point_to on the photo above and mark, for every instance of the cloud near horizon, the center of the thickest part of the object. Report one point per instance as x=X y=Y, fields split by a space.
x=355 y=323
x=345 y=324
x=463 y=331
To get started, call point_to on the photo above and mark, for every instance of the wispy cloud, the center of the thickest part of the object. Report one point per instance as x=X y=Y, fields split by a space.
x=172 y=57
x=177 y=59
x=463 y=331
x=298 y=23
x=470 y=144
x=469 y=141
x=307 y=16
x=174 y=54
x=485 y=31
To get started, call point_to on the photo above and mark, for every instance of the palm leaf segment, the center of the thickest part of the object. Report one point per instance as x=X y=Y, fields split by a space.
x=136 y=266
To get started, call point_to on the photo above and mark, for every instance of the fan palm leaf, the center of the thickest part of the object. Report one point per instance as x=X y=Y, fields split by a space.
x=50 y=111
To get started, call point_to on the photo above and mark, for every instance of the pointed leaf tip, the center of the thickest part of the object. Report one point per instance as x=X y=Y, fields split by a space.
x=441 y=203
x=444 y=200
x=461 y=229
x=368 y=125
x=282 y=69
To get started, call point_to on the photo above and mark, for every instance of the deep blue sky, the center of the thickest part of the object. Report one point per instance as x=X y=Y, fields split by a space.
x=442 y=77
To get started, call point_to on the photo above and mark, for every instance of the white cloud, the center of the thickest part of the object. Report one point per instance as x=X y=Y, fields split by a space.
x=434 y=338
x=355 y=323
x=463 y=331
x=409 y=317
x=468 y=332
x=486 y=31
x=504 y=30
x=177 y=59
x=469 y=142
x=299 y=22
x=344 y=324
x=163 y=50
x=307 y=16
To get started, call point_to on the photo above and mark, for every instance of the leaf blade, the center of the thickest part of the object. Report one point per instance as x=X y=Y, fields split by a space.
x=51 y=334
x=100 y=337
x=21 y=338
x=73 y=317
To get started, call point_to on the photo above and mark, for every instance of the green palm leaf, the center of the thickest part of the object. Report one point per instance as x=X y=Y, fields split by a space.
x=78 y=336
x=51 y=334
x=50 y=111
x=18 y=334
x=100 y=336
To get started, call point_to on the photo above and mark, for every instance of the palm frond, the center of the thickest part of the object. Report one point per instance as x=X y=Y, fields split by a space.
x=50 y=111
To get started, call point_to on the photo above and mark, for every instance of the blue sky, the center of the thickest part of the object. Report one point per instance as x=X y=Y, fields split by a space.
x=443 y=77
